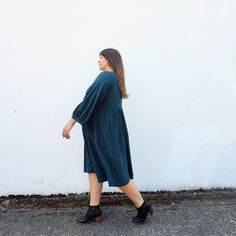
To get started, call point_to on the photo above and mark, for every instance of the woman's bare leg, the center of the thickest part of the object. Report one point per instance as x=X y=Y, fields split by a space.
x=132 y=193
x=95 y=189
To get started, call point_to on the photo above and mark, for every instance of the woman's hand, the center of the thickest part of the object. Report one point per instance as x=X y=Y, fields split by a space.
x=67 y=129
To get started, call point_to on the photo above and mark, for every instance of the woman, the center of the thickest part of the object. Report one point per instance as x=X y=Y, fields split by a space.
x=106 y=142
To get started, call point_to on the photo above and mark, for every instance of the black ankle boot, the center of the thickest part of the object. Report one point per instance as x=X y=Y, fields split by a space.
x=143 y=211
x=93 y=212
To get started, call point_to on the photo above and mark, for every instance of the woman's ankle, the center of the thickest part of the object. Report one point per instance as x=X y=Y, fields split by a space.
x=137 y=205
x=94 y=204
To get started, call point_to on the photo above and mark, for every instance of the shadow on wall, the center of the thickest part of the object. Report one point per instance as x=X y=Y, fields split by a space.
x=223 y=173
x=199 y=157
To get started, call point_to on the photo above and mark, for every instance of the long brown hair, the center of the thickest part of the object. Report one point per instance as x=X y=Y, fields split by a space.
x=114 y=60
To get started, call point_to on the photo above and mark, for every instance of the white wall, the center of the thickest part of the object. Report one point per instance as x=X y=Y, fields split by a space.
x=180 y=60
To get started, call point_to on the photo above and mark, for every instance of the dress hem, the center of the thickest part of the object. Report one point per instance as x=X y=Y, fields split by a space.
x=111 y=184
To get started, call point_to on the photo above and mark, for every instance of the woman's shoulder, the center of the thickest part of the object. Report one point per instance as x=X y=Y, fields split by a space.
x=107 y=73
x=106 y=76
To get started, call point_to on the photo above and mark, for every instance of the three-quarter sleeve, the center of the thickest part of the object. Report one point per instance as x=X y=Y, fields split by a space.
x=94 y=97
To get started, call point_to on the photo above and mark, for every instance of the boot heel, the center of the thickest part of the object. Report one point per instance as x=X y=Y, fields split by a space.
x=98 y=218
x=151 y=211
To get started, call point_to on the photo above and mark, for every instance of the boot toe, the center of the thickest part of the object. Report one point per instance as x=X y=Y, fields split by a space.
x=138 y=220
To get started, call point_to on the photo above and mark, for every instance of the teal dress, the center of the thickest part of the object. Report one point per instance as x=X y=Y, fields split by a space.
x=106 y=140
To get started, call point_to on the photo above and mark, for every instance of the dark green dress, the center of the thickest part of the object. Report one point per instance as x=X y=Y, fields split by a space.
x=106 y=140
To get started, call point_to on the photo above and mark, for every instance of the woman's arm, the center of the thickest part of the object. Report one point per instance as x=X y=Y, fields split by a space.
x=94 y=97
x=67 y=128
x=72 y=122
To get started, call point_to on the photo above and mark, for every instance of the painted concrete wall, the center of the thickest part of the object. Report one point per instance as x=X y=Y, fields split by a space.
x=180 y=60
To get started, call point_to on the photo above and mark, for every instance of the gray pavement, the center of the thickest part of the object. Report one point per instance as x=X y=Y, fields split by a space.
x=210 y=214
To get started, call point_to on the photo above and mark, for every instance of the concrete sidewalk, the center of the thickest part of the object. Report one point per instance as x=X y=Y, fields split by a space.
x=186 y=213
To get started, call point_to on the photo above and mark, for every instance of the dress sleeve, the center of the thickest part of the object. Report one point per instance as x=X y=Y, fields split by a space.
x=93 y=98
